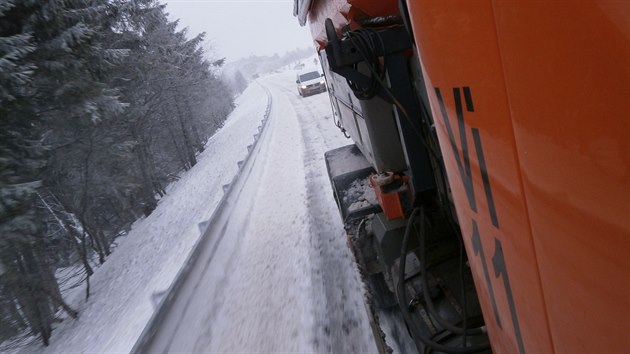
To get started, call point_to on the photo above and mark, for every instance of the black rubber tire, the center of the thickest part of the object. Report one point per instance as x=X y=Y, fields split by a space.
x=381 y=295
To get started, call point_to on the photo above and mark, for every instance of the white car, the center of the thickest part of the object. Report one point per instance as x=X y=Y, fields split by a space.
x=310 y=82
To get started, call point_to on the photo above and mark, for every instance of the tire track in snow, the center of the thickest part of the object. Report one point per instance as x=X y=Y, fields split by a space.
x=343 y=327
x=270 y=298
x=315 y=115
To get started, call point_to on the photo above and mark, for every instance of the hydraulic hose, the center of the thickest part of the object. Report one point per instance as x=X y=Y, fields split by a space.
x=402 y=296
x=429 y=301
x=463 y=292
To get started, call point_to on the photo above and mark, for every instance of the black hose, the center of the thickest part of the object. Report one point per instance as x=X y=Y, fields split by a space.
x=365 y=45
x=429 y=301
x=463 y=292
x=402 y=296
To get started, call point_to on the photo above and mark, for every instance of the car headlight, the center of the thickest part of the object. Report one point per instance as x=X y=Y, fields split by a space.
x=303 y=86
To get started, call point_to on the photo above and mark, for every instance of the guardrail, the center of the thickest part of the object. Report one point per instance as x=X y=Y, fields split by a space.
x=161 y=311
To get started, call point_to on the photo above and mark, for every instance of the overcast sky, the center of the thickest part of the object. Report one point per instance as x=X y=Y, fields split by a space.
x=239 y=28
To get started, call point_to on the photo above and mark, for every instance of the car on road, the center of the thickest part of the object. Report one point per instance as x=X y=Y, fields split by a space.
x=310 y=82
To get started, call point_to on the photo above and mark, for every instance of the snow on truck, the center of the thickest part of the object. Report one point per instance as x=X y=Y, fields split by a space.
x=487 y=193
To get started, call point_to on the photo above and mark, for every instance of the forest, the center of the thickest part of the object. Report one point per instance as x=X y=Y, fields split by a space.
x=102 y=104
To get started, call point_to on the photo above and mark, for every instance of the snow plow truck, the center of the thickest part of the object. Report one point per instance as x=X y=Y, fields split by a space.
x=486 y=196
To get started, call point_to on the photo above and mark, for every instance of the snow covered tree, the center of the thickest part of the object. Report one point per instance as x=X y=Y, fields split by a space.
x=166 y=92
x=237 y=81
x=45 y=82
x=21 y=157
x=101 y=103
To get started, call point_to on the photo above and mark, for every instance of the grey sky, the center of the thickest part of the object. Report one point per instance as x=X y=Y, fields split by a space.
x=239 y=28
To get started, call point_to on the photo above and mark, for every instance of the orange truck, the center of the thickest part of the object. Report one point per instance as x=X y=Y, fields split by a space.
x=487 y=194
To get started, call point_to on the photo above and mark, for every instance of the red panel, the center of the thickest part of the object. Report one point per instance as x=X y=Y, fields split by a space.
x=346 y=13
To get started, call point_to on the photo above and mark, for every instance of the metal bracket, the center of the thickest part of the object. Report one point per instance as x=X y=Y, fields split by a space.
x=391 y=44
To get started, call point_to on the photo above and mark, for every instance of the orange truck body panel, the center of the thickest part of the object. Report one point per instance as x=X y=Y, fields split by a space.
x=531 y=101
x=536 y=96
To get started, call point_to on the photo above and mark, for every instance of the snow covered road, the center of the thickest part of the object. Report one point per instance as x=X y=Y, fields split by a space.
x=279 y=277
x=295 y=288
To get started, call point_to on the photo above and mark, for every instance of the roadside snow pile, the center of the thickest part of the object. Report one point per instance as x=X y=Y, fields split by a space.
x=125 y=290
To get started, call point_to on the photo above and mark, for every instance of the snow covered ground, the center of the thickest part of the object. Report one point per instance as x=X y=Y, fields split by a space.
x=287 y=281
x=293 y=286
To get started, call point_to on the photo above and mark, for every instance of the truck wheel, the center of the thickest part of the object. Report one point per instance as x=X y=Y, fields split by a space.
x=381 y=295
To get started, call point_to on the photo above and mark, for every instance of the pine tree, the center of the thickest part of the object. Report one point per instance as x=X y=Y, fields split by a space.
x=45 y=81
x=101 y=102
